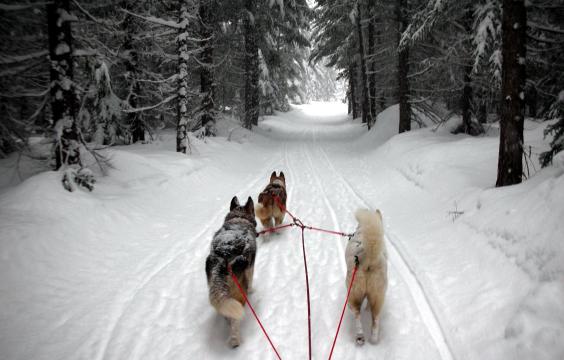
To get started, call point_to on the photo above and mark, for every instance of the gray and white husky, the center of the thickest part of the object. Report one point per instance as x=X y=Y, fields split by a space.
x=233 y=245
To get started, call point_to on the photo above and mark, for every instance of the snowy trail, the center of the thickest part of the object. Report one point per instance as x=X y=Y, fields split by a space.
x=119 y=273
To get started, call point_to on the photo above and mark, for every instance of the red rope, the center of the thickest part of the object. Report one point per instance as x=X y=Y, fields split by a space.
x=253 y=311
x=273 y=229
x=328 y=231
x=343 y=312
x=307 y=292
x=300 y=224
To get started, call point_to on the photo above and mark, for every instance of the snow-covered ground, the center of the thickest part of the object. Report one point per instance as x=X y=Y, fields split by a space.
x=475 y=272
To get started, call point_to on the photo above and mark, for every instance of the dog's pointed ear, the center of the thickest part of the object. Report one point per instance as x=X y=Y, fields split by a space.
x=378 y=213
x=282 y=176
x=234 y=203
x=273 y=176
x=250 y=206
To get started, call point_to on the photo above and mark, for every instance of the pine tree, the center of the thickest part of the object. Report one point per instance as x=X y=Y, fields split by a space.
x=366 y=118
x=63 y=88
x=252 y=71
x=207 y=80
x=403 y=69
x=130 y=58
x=512 y=117
x=182 y=141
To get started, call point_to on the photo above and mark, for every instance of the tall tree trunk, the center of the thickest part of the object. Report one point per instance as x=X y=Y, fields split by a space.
x=63 y=96
x=510 y=162
x=131 y=60
x=182 y=91
x=372 y=62
x=403 y=70
x=363 y=78
x=207 y=79
x=352 y=82
x=252 y=70
x=466 y=98
x=349 y=105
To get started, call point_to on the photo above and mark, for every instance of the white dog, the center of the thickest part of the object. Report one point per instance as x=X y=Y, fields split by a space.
x=366 y=250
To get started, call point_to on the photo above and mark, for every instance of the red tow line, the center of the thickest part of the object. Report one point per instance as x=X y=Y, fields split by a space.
x=300 y=224
x=297 y=222
x=343 y=312
x=253 y=310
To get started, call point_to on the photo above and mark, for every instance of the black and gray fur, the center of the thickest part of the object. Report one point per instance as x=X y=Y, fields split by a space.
x=234 y=244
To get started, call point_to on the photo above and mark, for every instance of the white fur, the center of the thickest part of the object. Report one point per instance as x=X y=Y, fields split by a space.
x=372 y=231
x=230 y=308
x=371 y=278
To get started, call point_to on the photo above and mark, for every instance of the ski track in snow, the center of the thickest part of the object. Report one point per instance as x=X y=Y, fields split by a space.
x=406 y=272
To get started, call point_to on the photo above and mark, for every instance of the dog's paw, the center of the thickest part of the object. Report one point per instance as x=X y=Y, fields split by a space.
x=234 y=342
x=359 y=339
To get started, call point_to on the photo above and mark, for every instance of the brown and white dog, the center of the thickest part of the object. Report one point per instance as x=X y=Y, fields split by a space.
x=233 y=245
x=366 y=250
x=267 y=208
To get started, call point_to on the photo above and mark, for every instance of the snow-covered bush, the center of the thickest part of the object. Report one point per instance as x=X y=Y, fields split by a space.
x=81 y=177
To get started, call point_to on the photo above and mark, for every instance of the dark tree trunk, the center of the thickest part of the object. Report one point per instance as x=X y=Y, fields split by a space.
x=482 y=112
x=372 y=62
x=363 y=78
x=207 y=79
x=466 y=98
x=182 y=92
x=63 y=96
x=403 y=70
x=251 y=66
x=352 y=82
x=349 y=105
x=510 y=162
x=131 y=60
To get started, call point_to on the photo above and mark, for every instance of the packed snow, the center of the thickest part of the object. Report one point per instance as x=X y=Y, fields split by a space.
x=475 y=272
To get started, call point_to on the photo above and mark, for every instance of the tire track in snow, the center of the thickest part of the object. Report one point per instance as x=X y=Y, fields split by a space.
x=420 y=298
x=171 y=256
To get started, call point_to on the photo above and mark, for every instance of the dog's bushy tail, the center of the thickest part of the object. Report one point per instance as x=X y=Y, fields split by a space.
x=372 y=229
x=220 y=298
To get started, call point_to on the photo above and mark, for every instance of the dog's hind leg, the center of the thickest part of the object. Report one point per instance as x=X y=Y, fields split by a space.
x=249 y=272
x=234 y=333
x=278 y=216
x=376 y=301
x=355 y=308
x=266 y=223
